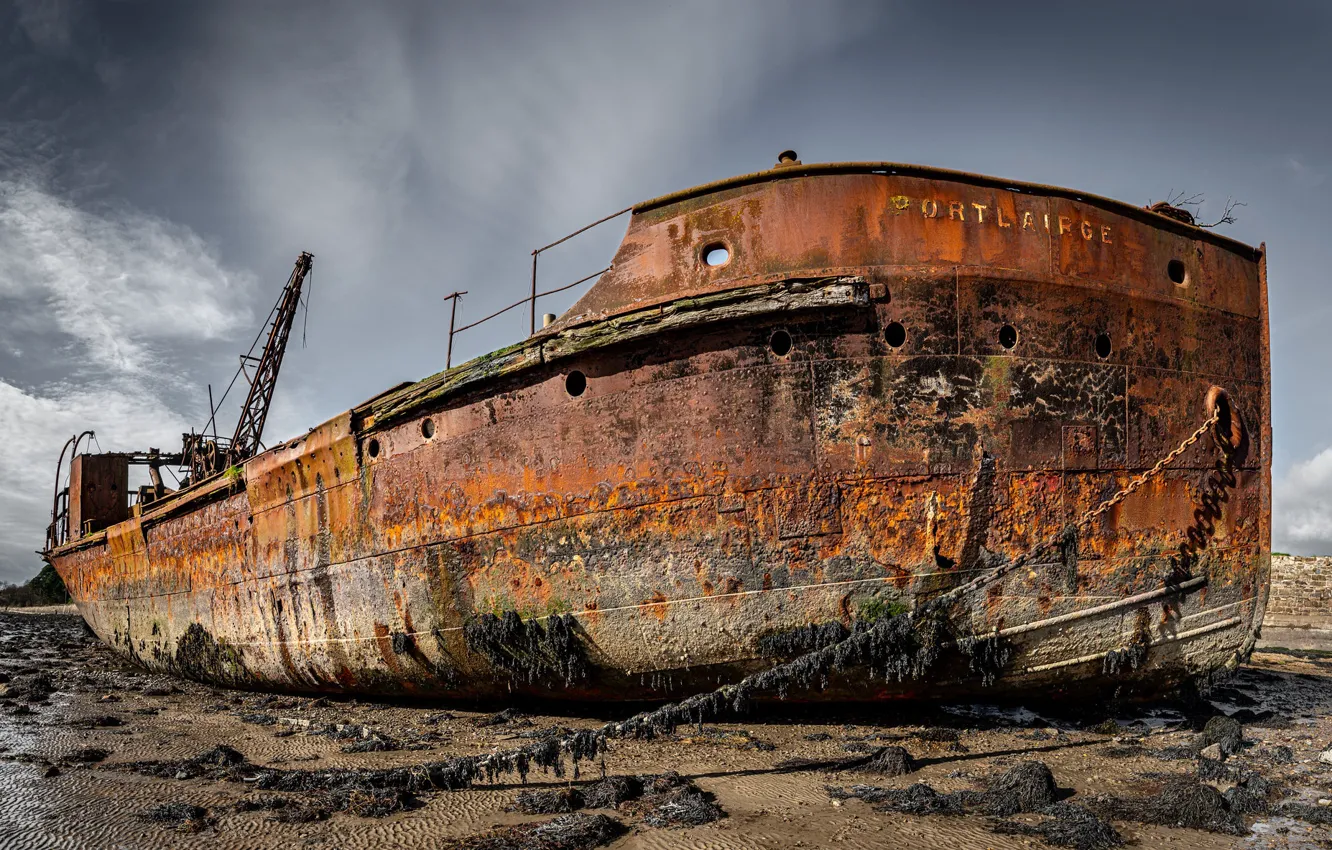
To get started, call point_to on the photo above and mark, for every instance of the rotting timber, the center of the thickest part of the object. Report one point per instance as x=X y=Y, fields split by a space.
x=800 y=402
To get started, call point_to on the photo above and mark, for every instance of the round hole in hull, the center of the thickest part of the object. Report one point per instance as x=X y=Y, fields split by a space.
x=428 y=428
x=895 y=334
x=1103 y=347
x=1008 y=336
x=1176 y=272
x=780 y=343
x=575 y=383
x=716 y=254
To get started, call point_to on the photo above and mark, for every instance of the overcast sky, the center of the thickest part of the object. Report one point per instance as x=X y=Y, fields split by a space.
x=162 y=164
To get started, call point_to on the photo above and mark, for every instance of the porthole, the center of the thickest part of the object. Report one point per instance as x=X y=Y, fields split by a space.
x=1008 y=336
x=575 y=383
x=373 y=448
x=1176 y=272
x=428 y=428
x=1103 y=345
x=780 y=343
x=716 y=254
x=895 y=334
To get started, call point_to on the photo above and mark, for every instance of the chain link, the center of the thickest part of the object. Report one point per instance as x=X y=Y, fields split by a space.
x=1084 y=520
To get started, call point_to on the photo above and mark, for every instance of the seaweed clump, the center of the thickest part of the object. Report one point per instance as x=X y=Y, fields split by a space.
x=552 y=802
x=570 y=832
x=214 y=764
x=528 y=652
x=1027 y=787
x=1066 y=825
x=1126 y=659
x=201 y=657
x=286 y=809
x=987 y=656
x=610 y=792
x=794 y=642
x=891 y=761
x=1182 y=802
x=181 y=816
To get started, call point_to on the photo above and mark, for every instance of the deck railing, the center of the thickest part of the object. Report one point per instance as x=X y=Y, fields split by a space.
x=532 y=298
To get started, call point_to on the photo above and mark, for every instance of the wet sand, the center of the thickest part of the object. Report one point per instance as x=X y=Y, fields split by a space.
x=64 y=784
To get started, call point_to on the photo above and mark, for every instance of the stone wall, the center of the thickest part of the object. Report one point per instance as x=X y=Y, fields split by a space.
x=1301 y=593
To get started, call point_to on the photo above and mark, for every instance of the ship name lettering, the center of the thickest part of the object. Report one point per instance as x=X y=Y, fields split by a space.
x=957 y=211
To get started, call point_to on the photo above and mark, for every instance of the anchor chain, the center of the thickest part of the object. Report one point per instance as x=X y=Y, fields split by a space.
x=1085 y=519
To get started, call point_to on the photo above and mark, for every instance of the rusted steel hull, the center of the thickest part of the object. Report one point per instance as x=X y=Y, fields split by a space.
x=899 y=375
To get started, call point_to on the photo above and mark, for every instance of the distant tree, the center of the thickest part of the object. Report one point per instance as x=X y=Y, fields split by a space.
x=48 y=586
x=45 y=588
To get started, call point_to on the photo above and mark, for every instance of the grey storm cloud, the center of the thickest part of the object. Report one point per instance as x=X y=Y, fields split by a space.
x=162 y=164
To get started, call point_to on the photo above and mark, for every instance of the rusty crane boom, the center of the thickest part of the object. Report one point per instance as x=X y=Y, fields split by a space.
x=208 y=455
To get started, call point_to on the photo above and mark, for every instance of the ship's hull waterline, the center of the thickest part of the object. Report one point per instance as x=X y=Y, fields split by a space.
x=898 y=377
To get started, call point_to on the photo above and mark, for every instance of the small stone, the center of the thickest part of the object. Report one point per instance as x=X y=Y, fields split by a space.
x=1325 y=757
x=1325 y=802
x=1213 y=752
x=51 y=772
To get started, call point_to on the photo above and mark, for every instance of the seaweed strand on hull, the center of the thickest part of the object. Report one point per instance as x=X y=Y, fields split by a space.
x=528 y=652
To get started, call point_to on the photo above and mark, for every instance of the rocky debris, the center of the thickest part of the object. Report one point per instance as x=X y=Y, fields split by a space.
x=101 y=721
x=1316 y=815
x=33 y=687
x=507 y=717
x=571 y=832
x=88 y=755
x=374 y=743
x=738 y=739
x=1224 y=733
x=216 y=763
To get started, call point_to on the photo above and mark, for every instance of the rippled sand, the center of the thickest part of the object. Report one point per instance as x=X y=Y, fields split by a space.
x=1284 y=701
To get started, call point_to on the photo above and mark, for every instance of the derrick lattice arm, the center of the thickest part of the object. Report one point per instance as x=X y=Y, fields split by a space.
x=250 y=428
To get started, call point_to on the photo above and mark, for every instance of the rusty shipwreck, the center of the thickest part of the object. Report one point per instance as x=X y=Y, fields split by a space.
x=798 y=401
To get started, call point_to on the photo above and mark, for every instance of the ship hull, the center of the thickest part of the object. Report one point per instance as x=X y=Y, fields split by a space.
x=747 y=460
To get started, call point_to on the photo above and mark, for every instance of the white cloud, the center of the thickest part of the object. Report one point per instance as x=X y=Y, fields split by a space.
x=1302 y=507
x=119 y=281
x=127 y=288
x=34 y=426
